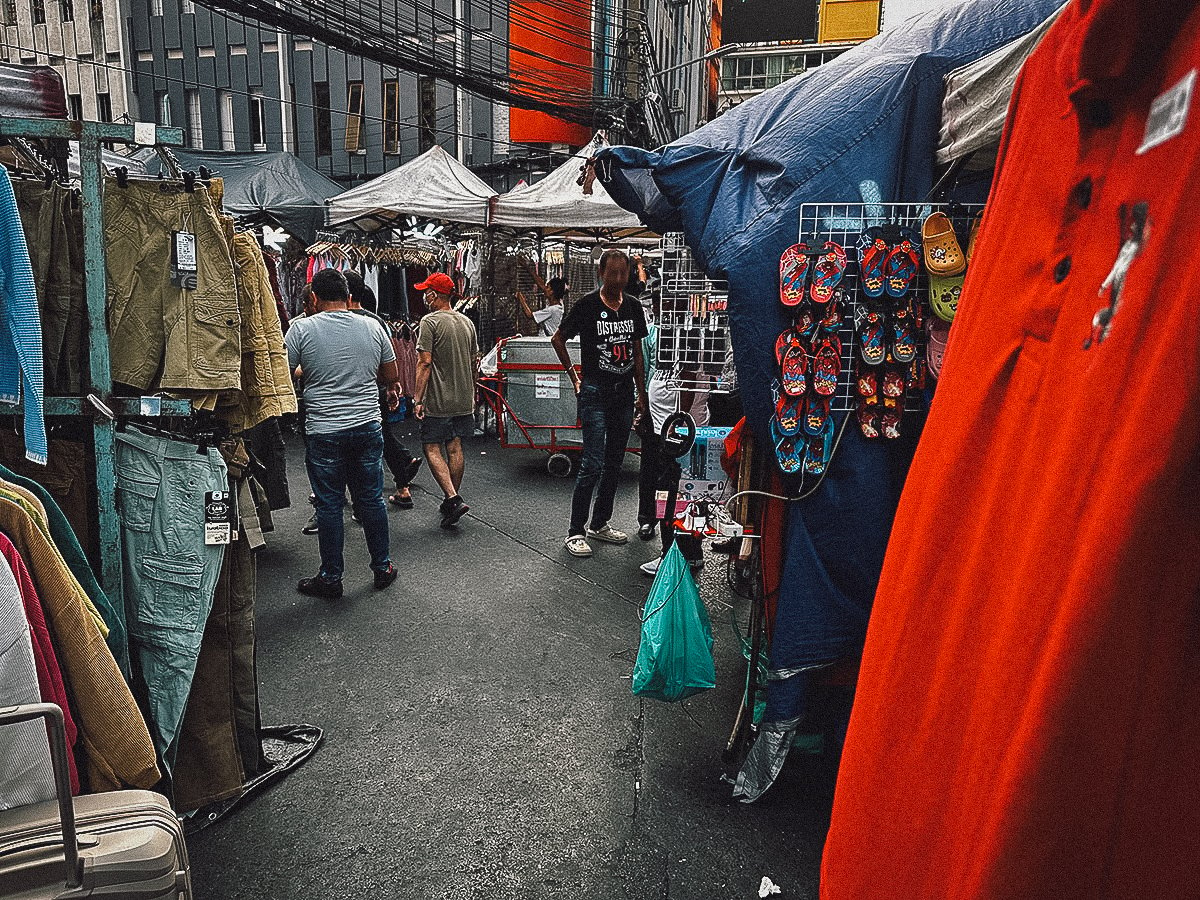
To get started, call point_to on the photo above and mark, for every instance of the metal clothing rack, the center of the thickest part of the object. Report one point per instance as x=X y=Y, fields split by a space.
x=843 y=223
x=693 y=322
x=98 y=404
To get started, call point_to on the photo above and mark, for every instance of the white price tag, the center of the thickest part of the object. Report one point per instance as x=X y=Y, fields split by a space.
x=218 y=517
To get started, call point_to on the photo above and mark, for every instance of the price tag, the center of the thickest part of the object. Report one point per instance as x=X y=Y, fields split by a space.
x=218 y=515
x=183 y=263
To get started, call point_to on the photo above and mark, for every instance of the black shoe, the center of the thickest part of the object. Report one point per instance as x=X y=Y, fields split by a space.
x=320 y=587
x=453 y=509
x=384 y=579
x=410 y=471
x=646 y=531
x=728 y=545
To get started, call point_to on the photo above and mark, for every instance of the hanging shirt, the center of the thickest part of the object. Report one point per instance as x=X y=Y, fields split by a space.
x=606 y=338
x=20 y=326
x=1027 y=718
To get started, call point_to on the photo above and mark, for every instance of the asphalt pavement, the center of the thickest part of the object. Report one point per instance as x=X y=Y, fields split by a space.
x=481 y=740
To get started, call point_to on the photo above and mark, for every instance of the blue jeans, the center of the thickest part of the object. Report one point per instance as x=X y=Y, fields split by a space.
x=351 y=458
x=606 y=414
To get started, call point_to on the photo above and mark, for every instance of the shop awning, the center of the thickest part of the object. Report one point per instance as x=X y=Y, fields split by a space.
x=274 y=187
x=977 y=96
x=434 y=185
x=557 y=206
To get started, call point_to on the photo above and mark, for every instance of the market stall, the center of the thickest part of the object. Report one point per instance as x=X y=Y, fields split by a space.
x=851 y=136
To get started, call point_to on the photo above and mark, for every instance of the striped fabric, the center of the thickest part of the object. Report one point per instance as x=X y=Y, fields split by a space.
x=25 y=772
x=20 y=326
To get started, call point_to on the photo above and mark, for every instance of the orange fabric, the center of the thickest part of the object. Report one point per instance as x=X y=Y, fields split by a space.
x=1027 y=721
x=550 y=56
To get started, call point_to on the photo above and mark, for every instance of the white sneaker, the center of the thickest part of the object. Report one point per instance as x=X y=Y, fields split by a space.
x=651 y=568
x=577 y=545
x=608 y=534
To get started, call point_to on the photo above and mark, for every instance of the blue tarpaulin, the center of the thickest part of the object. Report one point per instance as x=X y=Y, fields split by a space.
x=861 y=128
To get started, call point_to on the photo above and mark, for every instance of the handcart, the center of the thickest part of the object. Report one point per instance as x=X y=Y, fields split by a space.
x=534 y=401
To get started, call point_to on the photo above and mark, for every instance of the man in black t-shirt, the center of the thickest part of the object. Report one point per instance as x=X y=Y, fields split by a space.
x=610 y=326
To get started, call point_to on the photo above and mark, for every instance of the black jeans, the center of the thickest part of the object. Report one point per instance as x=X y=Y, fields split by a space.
x=661 y=473
x=606 y=414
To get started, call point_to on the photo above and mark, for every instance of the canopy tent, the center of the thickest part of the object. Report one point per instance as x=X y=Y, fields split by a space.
x=977 y=96
x=273 y=187
x=434 y=185
x=862 y=128
x=557 y=206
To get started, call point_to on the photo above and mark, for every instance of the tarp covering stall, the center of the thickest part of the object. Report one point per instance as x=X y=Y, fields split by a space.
x=434 y=185
x=556 y=206
x=862 y=128
x=273 y=187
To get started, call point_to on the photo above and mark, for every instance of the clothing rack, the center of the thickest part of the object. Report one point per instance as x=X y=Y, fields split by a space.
x=98 y=405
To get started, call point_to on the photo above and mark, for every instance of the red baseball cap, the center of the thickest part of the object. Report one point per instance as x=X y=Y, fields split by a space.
x=438 y=281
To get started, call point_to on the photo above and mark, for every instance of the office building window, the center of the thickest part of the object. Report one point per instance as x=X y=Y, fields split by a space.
x=104 y=107
x=187 y=7
x=354 y=117
x=67 y=10
x=195 y=122
x=96 y=11
x=228 y=139
x=9 y=9
x=162 y=100
x=38 y=10
x=156 y=7
x=258 y=122
x=322 y=125
x=75 y=107
x=427 y=111
x=391 y=116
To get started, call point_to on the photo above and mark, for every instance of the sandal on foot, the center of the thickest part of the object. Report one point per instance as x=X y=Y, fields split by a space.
x=401 y=502
x=827 y=272
x=793 y=273
x=577 y=545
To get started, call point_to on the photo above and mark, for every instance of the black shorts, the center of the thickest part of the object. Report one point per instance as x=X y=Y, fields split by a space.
x=434 y=430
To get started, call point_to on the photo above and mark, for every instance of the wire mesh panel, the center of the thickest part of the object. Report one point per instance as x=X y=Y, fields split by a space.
x=692 y=311
x=844 y=223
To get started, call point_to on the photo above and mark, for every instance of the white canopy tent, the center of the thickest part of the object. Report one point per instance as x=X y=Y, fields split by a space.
x=434 y=185
x=976 y=101
x=556 y=206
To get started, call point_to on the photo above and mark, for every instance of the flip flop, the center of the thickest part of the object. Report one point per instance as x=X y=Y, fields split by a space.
x=827 y=366
x=817 y=450
x=871 y=345
x=787 y=338
x=787 y=416
x=868 y=382
x=873 y=252
x=868 y=417
x=892 y=385
x=806 y=321
x=816 y=414
x=938 y=332
x=943 y=255
x=904 y=338
x=789 y=451
x=794 y=370
x=831 y=322
x=901 y=267
x=793 y=272
x=889 y=419
x=914 y=378
x=827 y=273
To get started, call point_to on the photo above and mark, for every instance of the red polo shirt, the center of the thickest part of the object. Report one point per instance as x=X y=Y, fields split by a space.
x=1027 y=722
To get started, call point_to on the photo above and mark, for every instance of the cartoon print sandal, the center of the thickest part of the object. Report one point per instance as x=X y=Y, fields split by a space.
x=816 y=414
x=892 y=385
x=818 y=449
x=789 y=451
x=871 y=344
x=806 y=321
x=787 y=416
x=867 y=383
x=794 y=370
x=827 y=272
x=904 y=338
x=889 y=419
x=943 y=255
x=789 y=337
x=873 y=252
x=831 y=321
x=901 y=267
x=868 y=418
x=827 y=366
x=944 y=294
x=793 y=272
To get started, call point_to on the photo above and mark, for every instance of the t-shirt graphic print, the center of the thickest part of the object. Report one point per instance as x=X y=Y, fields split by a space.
x=606 y=337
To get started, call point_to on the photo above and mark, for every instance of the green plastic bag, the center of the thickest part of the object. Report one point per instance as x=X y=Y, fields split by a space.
x=674 y=657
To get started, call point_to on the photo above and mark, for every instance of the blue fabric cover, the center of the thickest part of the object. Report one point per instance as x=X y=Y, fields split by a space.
x=861 y=128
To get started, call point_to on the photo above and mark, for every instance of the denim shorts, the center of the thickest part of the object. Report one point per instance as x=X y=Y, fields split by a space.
x=435 y=430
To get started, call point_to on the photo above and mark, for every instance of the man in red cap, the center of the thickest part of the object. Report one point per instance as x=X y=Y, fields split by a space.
x=444 y=400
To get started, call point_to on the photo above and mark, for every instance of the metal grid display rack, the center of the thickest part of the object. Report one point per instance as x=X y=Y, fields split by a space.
x=98 y=404
x=692 y=312
x=843 y=223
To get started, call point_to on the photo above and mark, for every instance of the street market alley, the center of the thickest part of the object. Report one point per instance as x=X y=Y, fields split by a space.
x=481 y=740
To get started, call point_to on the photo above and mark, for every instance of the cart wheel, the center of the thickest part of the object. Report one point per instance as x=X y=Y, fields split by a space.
x=559 y=464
